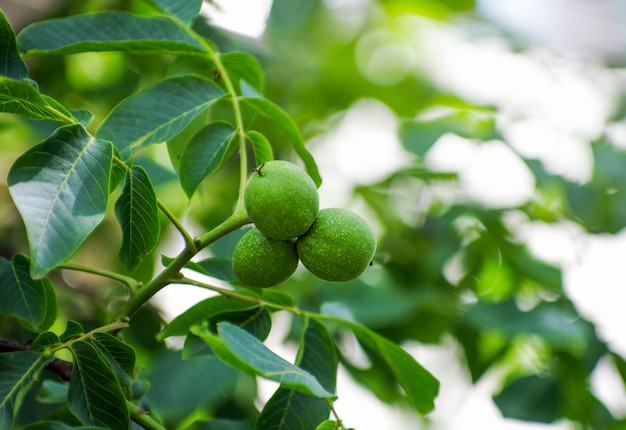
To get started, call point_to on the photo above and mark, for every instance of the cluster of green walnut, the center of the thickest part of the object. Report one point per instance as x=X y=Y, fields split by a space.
x=281 y=200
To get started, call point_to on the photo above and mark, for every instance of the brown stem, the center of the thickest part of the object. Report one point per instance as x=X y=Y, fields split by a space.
x=60 y=367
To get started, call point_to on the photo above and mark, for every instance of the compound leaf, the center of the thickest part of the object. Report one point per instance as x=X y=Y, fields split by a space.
x=32 y=301
x=61 y=188
x=95 y=396
x=203 y=311
x=18 y=370
x=107 y=31
x=283 y=121
x=243 y=351
x=420 y=386
x=291 y=410
x=157 y=113
x=138 y=214
x=204 y=154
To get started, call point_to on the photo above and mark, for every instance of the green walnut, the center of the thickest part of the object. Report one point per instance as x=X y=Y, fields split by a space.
x=281 y=200
x=262 y=262
x=338 y=247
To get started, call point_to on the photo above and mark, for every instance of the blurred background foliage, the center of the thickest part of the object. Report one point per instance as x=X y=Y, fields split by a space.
x=452 y=271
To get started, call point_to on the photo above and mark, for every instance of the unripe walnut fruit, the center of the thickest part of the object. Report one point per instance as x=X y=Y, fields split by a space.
x=338 y=247
x=281 y=200
x=262 y=262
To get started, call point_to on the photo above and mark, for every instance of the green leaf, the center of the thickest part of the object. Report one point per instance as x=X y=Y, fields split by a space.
x=204 y=154
x=44 y=340
x=257 y=322
x=21 y=98
x=516 y=401
x=291 y=410
x=221 y=424
x=107 y=31
x=120 y=356
x=420 y=386
x=13 y=67
x=419 y=136
x=283 y=121
x=218 y=268
x=18 y=371
x=52 y=392
x=202 y=311
x=56 y=425
x=157 y=113
x=328 y=425
x=242 y=66
x=32 y=301
x=185 y=10
x=243 y=351
x=73 y=330
x=61 y=188
x=138 y=214
x=95 y=397
x=278 y=298
x=261 y=147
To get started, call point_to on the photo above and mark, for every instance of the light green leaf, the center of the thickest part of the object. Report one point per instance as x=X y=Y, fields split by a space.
x=120 y=356
x=107 y=31
x=242 y=66
x=185 y=10
x=32 y=301
x=283 y=121
x=21 y=98
x=95 y=396
x=243 y=351
x=261 y=147
x=13 y=67
x=157 y=113
x=218 y=268
x=203 y=311
x=291 y=410
x=18 y=370
x=205 y=153
x=328 y=425
x=61 y=188
x=420 y=386
x=138 y=214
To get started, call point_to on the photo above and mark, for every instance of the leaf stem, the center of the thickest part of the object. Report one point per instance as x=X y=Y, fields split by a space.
x=142 y=417
x=176 y=223
x=132 y=283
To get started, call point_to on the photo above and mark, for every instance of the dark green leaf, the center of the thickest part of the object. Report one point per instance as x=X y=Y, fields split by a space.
x=21 y=98
x=57 y=425
x=95 y=396
x=202 y=311
x=52 y=392
x=83 y=116
x=530 y=398
x=218 y=268
x=72 y=331
x=278 y=298
x=138 y=214
x=221 y=424
x=185 y=10
x=257 y=322
x=243 y=351
x=12 y=67
x=291 y=410
x=204 y=154
x=419 y=385
x=120 y=356
x=61 y=188
x=157 y=113
x=195 y=347
x=18 y=370
x=107 y=31
x=44 y=340
x=261 y=147
x=32 y=301
x=284 y=122
x=243 y=67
